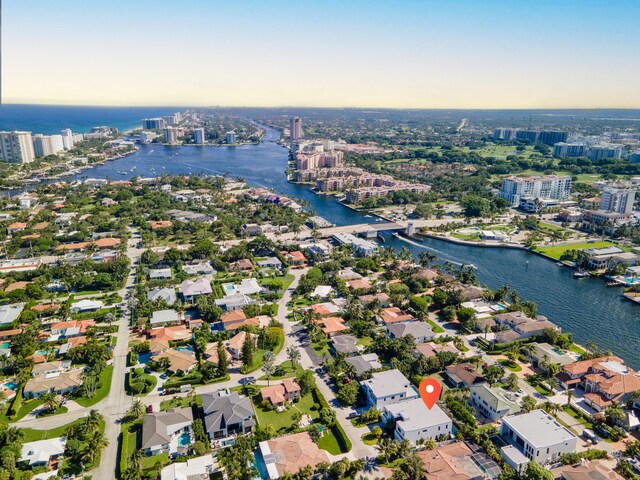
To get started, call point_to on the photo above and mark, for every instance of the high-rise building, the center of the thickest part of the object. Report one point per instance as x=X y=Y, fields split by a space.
x=563 y=149
x=198 y=136
x=619 y=200
x=170 y=135
x=515 y=189
x=634 y=157
x=598 y=152
x=504 y=134
x=67 y=138
x=551 y=138
x=153 y=123
x=16 y=147
x=230 y=138
x=42 y=145
x=169 y=120
x=530 y=135
x=77 y=138
x=295 y=129
x=57 y=143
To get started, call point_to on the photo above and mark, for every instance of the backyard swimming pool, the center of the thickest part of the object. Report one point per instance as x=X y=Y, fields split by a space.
x=184 y=440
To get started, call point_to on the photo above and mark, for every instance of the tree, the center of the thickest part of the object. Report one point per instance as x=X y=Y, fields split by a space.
x=51 y=401
x=348 y=393
x=306 y=381
x=149 y=257
x=223 y=361
x=248 y=350
x=536 y=472
x=268 y=366
x=137 y=409
x=511 y=382
x=293 y=354
x=528 y=404
x=493 y=373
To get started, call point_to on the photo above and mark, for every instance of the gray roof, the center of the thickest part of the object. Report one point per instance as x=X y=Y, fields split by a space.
x=389 y=382
x=167 y=294
x=8 y=313
x=222 y=409
x=495 y=397
x=347 y=344
x=164 y=316
x=417 y=329
x=538 y=428
x=156 y=426
x=364 y=363
x=231 y=301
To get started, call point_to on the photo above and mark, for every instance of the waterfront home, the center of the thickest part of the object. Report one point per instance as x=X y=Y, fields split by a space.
x=165 y=317
x=291 y=454
x=364 y=363
x=190 y=290
x=288 y=391
x=179 y=360
x=10 y=313
x=470 y=292
x=167 y=294
x=414 y=421
x=159 y=273
x=598 y=258
x=493 y=403
x=345 y=344
x=538 y=436
x=361 y=247
x=167 y=432
x=463 y=375
x=227 y=413
x=251 y=229
x=605 y=381
x=40 y=453
x=427 y=274
x=456 y=461
x=319 y=251
x=420 y=331
x=198 y=468
x=394 y=315
x=61 y=382
x=523 y=325
x=86 y=306
x=543 y=352
x=388 y=387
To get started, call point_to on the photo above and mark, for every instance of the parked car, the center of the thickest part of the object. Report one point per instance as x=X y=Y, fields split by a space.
x=149 y=408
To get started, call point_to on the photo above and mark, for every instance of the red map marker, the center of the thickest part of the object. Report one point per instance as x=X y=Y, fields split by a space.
x=430 y=392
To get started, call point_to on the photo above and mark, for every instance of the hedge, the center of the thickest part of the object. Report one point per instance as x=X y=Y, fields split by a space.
x=341 y=436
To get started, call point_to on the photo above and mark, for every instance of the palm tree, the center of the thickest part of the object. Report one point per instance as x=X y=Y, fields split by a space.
x=98 y=442
x=92 y=421
x=51 y=401
x=569 y=396
x=137 y=409
x=615 y=414
x=386 y=448
x=11 y=435
x=294 y=356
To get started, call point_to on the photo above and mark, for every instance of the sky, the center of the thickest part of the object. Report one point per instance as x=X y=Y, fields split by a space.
x=323 y=53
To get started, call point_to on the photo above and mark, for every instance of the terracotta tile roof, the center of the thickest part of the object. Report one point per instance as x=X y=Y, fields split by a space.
x=277 y=393
x=359 y=284
x=232 y=316
x=17 y=286
x=73 y=246
x=582 y=367
x=43 y=307
x=333 y=325
x=160 y=224
x=107 y=242
x=294 y=452
x=175 y=332
x=394 y=315
x=449 y=462
x=232 y=326
x=41 y=225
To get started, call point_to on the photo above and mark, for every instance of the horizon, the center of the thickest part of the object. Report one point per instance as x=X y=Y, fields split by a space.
x=432 y=54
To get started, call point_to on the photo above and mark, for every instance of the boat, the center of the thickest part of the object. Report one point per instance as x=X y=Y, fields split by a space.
x=581 y=274
x=471 y=266
x=560 y=264
x=395 y=234
x=614 y=284
x=379 y=220
x=367 y=216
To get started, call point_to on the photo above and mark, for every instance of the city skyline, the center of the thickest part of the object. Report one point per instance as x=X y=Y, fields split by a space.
x=411 y=54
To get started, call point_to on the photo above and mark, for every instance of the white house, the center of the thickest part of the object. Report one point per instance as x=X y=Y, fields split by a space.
x=159 y=273
x=414 y=421
x=492 y=402
x=86 y=306
x=199 y=468
x=168 y=431
x=388 y=387
x=538 y=436
x=163 y=317
x=40 y=453
x=420 y=331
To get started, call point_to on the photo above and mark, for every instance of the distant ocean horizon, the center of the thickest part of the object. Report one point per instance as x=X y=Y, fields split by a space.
x=50 y=119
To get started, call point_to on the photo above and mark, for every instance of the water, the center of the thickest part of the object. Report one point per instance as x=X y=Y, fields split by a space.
x=184 y=440
x=48 y=119
x=260 y=465
x=586 y=308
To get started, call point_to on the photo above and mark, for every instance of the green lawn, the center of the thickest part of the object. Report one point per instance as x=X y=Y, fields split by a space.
x=365 y=341
x=570 y=410
x=179 y=402
x=101 y=392
x=369 y=439
x=288 y=371
x=512 y=366
x=257 y=357
x=436 y=328
x=329 y=442
x=27 y=407
x=557 y=250
x=321 y=348
x=576 y=349
x=469 y=237
x=33 y=435
x=279 y=420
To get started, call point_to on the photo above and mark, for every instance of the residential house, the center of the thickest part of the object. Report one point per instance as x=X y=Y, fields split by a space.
x=61 y=382
x=463 y=375
x=380 y=299
x=233 y=302
x=198 y=268
x=165 y=317
x=364 y=363
x=167 y=294
x=160 y=224
x=493 y=403
x=198 y=468
x=586 y=470
x=86 y=306
x=414 y=421
x=172 y=333
x=179 y=361
x=523 y=325
x=50 y=368
x=10 y=313
x=332 y=326
x=420 y=331
x=41 y=452
x=160 y=273
x=345 y=344
x=360 y=284
x=291 y=454
x=388 y=387
x=454 y=461
x=234 y=345
x=432 y=349
x=270 y=262
x=288 y=391
x=326 y=309
x=243 y=265
x=71 y=328
x=167 y=432
x=227 y=413
x=192 y=289
x=322 y=291
x=538 y=436
x=394 y=315
x=295 y=258
x=543 y=352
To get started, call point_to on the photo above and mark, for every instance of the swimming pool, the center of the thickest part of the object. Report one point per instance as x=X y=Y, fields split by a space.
x=5 y=345
x=11 y=385
x=229 y=288
x=184 y=440
x=187 y=348
x=260 y=465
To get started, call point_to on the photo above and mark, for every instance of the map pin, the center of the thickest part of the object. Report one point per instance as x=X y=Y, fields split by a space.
x=430 y=392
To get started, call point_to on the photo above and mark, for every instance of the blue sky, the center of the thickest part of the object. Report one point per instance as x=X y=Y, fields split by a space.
x=407 y=53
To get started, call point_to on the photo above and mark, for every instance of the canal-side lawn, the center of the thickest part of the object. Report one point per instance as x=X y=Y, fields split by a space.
x=556 y=251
